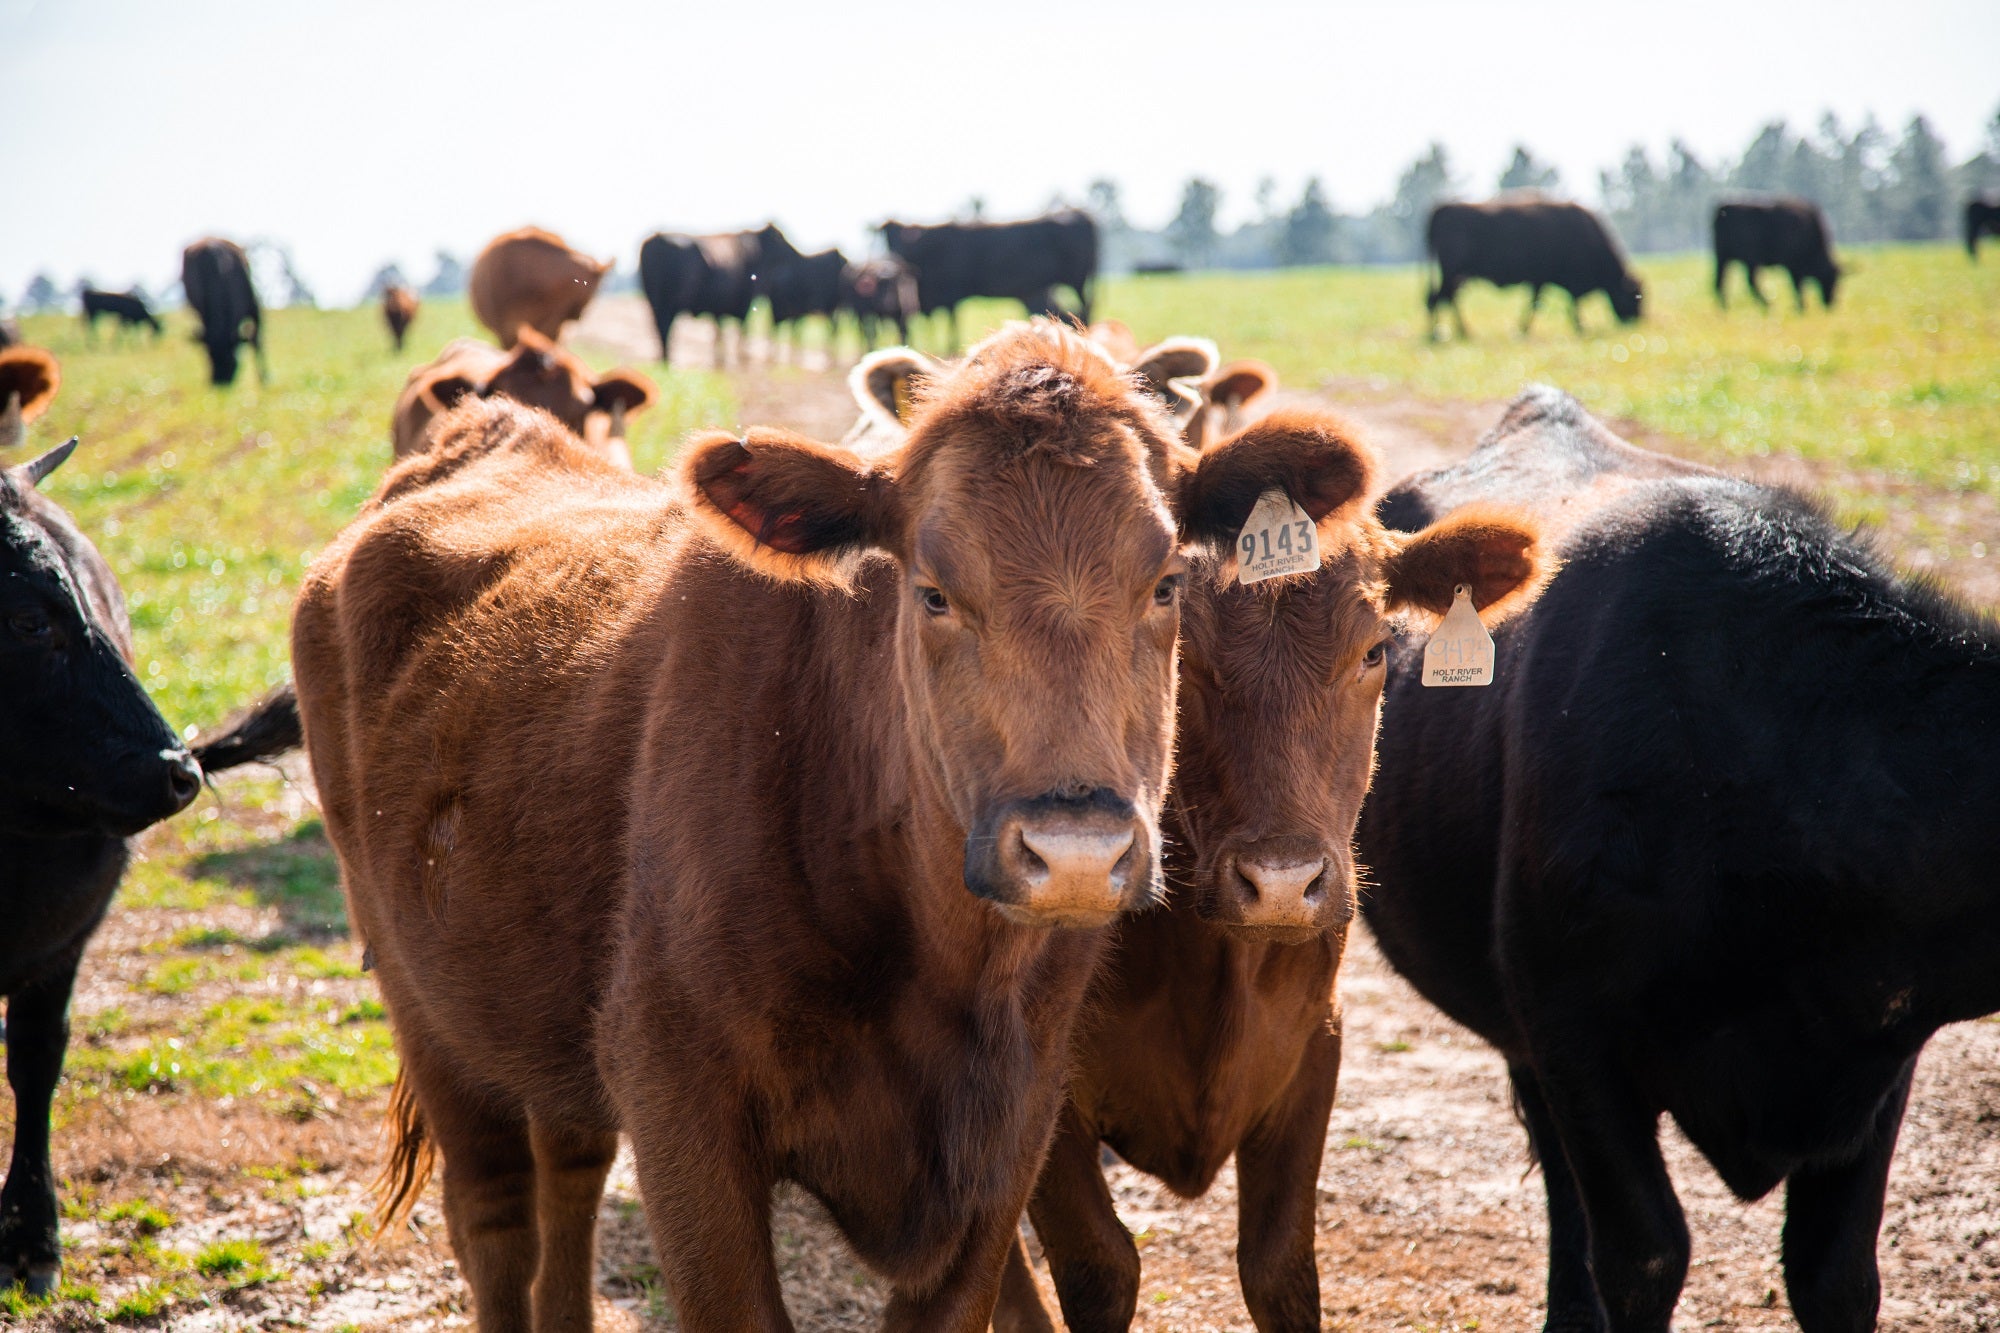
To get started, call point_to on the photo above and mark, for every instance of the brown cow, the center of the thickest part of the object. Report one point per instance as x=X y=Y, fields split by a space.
x=698 y=776
x=532 y=277
x=1216 y=1030
x=399 y=308
x=536 y=373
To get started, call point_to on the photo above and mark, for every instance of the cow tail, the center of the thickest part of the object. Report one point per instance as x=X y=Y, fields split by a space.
x=412 y=1158
x=270 y=728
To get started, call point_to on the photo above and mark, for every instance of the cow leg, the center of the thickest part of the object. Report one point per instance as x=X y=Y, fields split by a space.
x=1750 y=279
x=1092 y=1259
x=951 y=322
x=1277 y=1174
x=569 y=1182
x=1638 y=1235
x=1832 y=1218
x=37 y=1034
x=1721 y=273
x=1534 y=304
x=708 y=1205
x=1798 y=288
x=1573 y=1303
x=964 y=1302
x=664 y=322
x=1020 y=1309
x=1576 y=313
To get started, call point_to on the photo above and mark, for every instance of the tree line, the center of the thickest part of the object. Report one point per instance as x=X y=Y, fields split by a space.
x=1873 y=186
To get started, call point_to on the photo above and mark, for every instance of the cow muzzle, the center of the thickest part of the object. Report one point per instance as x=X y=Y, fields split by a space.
x=1061 y=860
x=1286 y=889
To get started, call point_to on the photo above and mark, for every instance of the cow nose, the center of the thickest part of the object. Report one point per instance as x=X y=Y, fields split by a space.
x=183 y=778
x=1283 y=889
x=1059 y=860
x=1291 y=890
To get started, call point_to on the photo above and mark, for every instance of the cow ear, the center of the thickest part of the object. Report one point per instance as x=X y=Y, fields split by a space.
x=1497 y=553
x=1239 y=384
x=885 y=383
x=1175 y=359
x=1313 y=457
x=626 y=390
x=788 y=507
x=31 y=375
x=445 y=391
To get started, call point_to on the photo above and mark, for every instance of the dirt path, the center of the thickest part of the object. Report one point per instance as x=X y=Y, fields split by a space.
x=1428 y=1217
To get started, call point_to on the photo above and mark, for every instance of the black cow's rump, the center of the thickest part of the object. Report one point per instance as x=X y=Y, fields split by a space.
x=1719 y=842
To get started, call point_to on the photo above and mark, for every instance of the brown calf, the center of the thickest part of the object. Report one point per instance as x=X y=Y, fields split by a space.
x=399 y=309
x=537 y=373
x=531 y=277
x=697 y=776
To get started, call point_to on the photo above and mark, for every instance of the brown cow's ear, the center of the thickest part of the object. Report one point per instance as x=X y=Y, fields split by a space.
x=787 y=506
x=1312 y=456
x=1175 y=359
x=1239 y=384
x=32 y=375
x=446 y=391
x=885 y=383
x=626 y=389
x=1497 y=553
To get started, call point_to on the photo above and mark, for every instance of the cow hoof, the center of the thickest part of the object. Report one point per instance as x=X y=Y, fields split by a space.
x=42 y=1279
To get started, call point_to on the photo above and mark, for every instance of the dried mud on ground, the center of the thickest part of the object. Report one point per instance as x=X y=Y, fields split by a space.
x=1429 y=1216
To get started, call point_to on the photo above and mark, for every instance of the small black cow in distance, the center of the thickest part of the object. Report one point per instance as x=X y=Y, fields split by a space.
x=802 y=285
x=1787 y=233
x=216 y=277
x=879 y=289
x=128 y=308
x=1982 y=218
x=718 y=275
x=1719 y=841
x=1524 y=239
x=85 y=762
x=1019 y=261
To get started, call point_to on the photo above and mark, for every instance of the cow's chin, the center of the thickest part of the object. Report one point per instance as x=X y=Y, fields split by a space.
x=1064 y=920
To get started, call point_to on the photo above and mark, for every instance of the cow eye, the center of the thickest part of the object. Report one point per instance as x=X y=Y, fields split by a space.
x=934 y=600
x=31 y=625
x=1376 y=656
x=1167 y=589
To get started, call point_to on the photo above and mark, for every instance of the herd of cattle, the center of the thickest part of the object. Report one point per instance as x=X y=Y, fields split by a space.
x=810 y=813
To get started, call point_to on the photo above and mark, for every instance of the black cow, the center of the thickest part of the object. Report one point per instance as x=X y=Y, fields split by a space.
x=1719 y=841
x=215 y=274
x=1525 y=239
x=802 y=285
x=718 y=275
x=1982 y=218
x=879 y=289
x=128 y=308
x=1019 y=261
x=1787 y=233
x=10 y=334
x=85 y=762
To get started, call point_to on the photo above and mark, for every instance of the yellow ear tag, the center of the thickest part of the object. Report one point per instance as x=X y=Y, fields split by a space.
x=900 y=391
x=1278 y=539
x=1460 y=651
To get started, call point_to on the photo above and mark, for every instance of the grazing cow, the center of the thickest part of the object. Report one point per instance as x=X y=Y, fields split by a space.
x=1524 y=238
x=215 y=275
x=531 y=277
x=879 y=289
x=85 y=762
x=1020 y=261
x=718 y=275
x=1215 y=1029
x=805 y=285
x=128 y=308
x=1982 y=218
x=1718 y=842
x=766 y=784
x=399 y=310
x=1786 y=233
x=537 y=373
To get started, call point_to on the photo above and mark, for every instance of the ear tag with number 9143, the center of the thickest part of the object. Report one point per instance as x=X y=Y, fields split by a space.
x=1279 y=538
x=1460 y=651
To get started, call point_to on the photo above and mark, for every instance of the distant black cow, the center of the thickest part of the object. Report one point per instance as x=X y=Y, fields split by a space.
x=1786 y=233
x=1019 y=261
x=1982 y=218
x=216 y=277
x=10 y=334
x=128 y=308
x=800 y=285
x=719 y=275
x=1525 y=239
x=880 y=289
x=85 y=762
x=1720 y=841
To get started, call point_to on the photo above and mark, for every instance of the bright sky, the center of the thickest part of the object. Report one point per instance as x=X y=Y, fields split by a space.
x=360 y=132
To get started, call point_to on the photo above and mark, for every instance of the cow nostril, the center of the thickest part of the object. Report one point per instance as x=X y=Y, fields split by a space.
x=183 y=776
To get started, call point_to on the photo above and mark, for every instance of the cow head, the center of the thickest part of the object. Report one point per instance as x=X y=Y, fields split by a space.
x=1627 y=294
x=538 y=373
x=1038 y=599
x=82 y=749
x=29 y=378
x=1282 y=679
